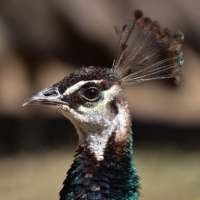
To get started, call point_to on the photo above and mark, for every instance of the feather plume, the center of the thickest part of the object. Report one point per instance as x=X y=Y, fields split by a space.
x=147 y=52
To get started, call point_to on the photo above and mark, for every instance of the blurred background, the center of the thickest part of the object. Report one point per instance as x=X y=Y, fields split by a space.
x=42 y=41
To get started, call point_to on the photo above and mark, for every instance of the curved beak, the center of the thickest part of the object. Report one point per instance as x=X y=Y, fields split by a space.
x=47 y=97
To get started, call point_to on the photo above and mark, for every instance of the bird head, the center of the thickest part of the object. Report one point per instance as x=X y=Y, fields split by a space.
x=92 y=98
x=88 y=95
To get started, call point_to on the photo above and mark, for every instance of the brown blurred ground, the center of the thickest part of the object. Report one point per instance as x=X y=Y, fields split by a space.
x=41 y=41
x=165 y=175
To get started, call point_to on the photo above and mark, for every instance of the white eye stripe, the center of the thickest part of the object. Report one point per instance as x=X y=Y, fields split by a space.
x=78 y=86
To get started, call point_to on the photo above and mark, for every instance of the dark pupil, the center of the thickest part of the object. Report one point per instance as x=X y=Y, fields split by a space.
x=91 y=93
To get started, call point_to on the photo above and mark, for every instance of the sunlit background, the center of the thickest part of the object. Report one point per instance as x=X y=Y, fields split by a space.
x=41 y=41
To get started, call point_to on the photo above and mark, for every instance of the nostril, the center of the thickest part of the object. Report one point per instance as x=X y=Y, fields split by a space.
x=51 y=92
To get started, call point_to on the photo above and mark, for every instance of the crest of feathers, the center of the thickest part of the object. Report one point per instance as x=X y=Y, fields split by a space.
x=146 y=51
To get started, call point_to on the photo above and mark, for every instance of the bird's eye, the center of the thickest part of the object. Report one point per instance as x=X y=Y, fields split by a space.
x=91 y=94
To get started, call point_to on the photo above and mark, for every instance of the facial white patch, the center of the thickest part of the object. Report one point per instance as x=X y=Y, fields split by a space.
x=78 y=85
x=95 y=125
x=97 y=138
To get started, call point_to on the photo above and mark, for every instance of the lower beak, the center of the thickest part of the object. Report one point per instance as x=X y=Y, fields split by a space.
x=47 y=97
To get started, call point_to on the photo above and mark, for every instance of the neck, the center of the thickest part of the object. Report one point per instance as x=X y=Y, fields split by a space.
x=103 y=167
x=114 y=177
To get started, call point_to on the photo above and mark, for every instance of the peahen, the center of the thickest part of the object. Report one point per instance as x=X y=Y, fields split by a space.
x=94 y=100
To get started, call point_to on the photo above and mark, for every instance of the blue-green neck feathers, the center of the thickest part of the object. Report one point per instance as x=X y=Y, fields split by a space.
x=113 y=178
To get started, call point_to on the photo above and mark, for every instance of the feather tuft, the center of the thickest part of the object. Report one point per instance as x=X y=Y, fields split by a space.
x=147 y=52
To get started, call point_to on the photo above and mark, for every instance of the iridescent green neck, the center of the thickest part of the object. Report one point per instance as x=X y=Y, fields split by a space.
x=114 y=177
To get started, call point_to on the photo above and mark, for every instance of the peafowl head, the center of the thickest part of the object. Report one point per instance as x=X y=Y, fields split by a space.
x=93 y=99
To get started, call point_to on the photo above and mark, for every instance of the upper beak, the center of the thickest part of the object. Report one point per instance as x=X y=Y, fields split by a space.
x=47 y=97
